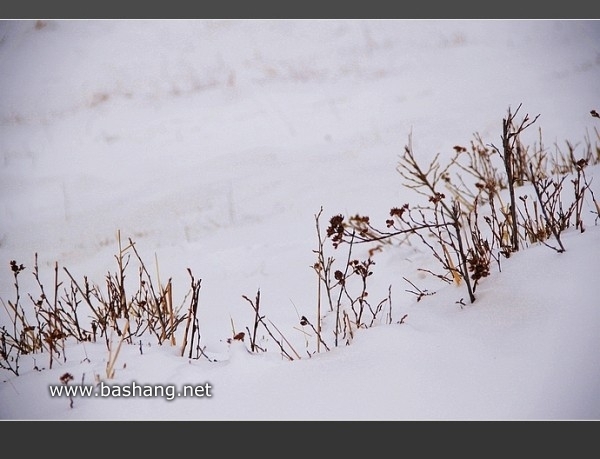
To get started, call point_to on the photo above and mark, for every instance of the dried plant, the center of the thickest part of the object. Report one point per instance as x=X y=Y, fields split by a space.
x=21 y=338
x=82 y=311
x=451 y=226
x=345 y=286
x=471 y=214
x=65 y=379
x=113 y=353
x=192 y=319
x=260 y=320
x=515 y=162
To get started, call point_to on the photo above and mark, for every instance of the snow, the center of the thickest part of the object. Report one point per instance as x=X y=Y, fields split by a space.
x=213 y=145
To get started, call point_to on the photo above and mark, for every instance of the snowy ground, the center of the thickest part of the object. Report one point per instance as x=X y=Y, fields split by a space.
x=213 y=144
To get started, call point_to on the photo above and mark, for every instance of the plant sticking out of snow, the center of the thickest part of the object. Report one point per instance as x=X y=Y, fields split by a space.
x=127 y=311
x=283 y=343
x=451 y=227
x=510 y=197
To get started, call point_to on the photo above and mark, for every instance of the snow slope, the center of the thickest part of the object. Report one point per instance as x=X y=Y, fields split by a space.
x=213 y=144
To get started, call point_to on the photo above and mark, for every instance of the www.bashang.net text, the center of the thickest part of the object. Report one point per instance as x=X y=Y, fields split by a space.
x=167 y=391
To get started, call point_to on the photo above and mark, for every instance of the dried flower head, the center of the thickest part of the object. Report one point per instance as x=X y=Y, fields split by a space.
x=66 y=378
x=437 y=197
x=16 y=268
x=335 y=223
x=239 y=336
x=398 y=211
x=336 y=229
x=580 y=165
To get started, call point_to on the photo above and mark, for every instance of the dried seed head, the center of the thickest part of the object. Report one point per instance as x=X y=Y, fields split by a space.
x=581 y=164
x=436 y=198
x=239 y=336
x=16 y=268
x=66 y=378
x=336 y=229
x=360 y=219
x=398 y=212
x=335 y=223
